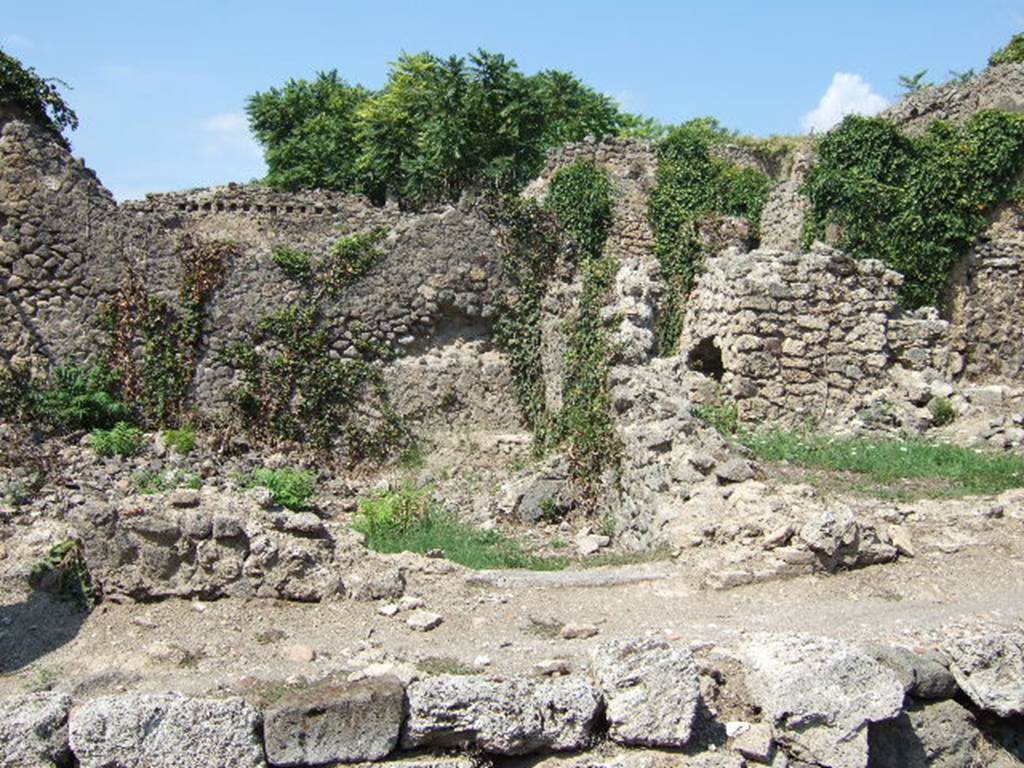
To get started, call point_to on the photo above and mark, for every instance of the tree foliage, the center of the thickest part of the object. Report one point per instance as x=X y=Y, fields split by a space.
x=36 y=96
x=439 y=126
x=916 y=203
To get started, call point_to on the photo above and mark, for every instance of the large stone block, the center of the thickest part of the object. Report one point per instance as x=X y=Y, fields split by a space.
x=822 y=694
x=360 y=721
x=165 y=731
x=651 y=691
x=505 y=717
x=990 y=670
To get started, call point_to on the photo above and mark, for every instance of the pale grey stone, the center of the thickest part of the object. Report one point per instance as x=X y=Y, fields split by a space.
x=359 y=721
x=822 y=695
x=33 y=730
x=165 y=731
x=923 y=675
x=651 y=691
x=990 y=670
x=506 y=717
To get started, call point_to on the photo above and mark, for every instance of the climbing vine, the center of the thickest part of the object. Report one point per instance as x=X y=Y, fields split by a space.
x=691 y=186
x=531 y=241
x=916 y=203
x=155 y=344
x=581 y=198
x=294 y=385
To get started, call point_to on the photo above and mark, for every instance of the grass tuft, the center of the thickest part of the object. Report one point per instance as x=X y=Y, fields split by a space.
x=408 y=520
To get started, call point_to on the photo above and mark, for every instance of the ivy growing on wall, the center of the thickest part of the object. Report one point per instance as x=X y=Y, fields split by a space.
x=295 y=387
x=531 y=241
x=691 y=186
x=916 y=203
x=155 y=344
x=581 y=198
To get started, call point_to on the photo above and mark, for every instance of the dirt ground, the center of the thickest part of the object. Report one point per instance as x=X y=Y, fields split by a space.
x=493 y=622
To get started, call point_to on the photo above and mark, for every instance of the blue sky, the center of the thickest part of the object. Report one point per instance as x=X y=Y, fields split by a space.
x=160 y=88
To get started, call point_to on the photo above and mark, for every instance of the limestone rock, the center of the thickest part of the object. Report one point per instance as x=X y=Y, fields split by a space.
x=651 y=690
x=735 y=471
x=165 y=731
x=990 y=670
x=938 y=734
x=822 y=695
x=424 y=621
x=756 y=743
x=33 y=730
x=505 y=717
x=360 y=721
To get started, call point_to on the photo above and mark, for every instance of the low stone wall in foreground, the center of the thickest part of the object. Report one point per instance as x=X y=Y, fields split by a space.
x=781 y=700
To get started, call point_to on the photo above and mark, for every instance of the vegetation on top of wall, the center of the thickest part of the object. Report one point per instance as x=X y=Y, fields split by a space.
x=38 y=97
x=1012 y=52
x=581 y=197
x=439 y=126
x=916 y=203
x=692 y=185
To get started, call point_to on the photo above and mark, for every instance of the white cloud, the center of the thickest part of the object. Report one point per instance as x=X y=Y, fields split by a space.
x=847 y=94
x=228 y=134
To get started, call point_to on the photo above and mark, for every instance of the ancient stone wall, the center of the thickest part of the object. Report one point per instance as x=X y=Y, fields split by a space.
x=59 y=249
x=796 y=337
x=986 y=311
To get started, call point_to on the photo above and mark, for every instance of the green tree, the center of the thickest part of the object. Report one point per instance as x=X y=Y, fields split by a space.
x=37 y=97
x=1012 y=52
x=438 y=127
x=308 y=131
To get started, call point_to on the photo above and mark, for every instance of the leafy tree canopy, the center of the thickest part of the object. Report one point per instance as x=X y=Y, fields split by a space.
x=1012 y=52
x=37 y=97
x=437 y=127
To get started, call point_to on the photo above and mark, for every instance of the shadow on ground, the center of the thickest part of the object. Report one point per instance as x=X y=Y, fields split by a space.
x=36 y=626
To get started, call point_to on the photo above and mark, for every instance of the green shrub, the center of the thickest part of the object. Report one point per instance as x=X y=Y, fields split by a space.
x=1012 y=52
x=918 y=203
x=943 y=412
x=81 y=398
x=149 y=482
x=291 y=488
x=121 y=440
x=64 y=571
x=296 y=264
x=36 y=96
x=351 y=257
x=408 y=520
x=724 y=417
x=181 y=441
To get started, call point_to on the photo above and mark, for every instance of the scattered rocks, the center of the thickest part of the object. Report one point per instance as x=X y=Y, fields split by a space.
x=424 y=621
x=651 y=691
x=735 y=471
x=552 y=667
x=756 y=743
x=574 y=631
x=360 y=721
x=165 y=731
x=33 y=730
x=504 y=717
x=590 y=543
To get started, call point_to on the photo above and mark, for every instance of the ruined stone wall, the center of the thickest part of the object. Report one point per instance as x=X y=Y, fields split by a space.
x=439 y=279
x=59 y=249
x=999 y=87
x=795 y=338
x=986 y=310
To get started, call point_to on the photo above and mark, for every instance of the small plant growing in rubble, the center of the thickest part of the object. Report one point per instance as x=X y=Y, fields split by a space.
x=291 y=488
